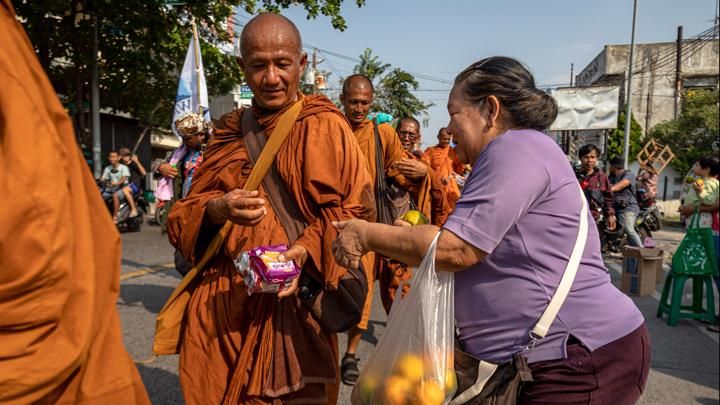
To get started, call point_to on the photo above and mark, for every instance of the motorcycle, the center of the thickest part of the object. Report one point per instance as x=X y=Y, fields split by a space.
x=125 y=222
x=613 y=241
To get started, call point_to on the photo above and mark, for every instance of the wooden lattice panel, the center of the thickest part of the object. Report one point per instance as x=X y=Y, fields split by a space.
x=655 y=157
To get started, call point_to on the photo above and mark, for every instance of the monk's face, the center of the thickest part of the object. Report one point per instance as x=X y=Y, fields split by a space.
x=409 y=134
x=273 y=62
x=357 y=102
x=444 y=138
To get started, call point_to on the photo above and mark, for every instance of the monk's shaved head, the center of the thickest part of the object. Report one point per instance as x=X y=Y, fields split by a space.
x=269 y=25
x=359 y=81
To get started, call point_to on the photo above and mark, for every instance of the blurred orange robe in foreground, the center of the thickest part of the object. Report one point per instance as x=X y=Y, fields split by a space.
x=445 y=162
x=60 y=339
x=240 y=349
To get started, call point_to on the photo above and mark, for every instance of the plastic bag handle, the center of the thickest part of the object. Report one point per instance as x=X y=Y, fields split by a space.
x=429 y=255
x=695 y=219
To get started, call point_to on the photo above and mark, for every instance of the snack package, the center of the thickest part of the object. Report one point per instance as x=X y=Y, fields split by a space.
x=263 y=272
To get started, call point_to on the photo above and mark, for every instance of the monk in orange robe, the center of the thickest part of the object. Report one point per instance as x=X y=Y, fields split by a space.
x=405 y=171
x=265 y=348
x=446 y=164
x=60 y=338
x=392 y=272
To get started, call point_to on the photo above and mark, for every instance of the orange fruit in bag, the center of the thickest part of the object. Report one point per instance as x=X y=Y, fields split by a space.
x=411 y=367
x=397 y=390
x=429 y=393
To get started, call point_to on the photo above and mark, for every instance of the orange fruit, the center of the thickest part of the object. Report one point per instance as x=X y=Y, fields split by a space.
x=410 y=367
x=415 y=217
x=397 y=390
x=429 y=393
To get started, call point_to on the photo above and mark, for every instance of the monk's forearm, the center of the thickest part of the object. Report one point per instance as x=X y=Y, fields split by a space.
x=404 y=244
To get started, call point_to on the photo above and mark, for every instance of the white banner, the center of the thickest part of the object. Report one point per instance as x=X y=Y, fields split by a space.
x=586 y=108
x=192 y=90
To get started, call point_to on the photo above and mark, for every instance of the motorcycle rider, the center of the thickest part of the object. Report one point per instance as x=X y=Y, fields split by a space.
x=114 y=178
x=596 y=186
x=137 y=174
x=626 y=205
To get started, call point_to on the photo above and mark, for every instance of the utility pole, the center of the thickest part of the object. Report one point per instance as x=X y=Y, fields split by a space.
x=572 y=67
x=678 y=72
x=628 y=95
x=95 y=102
x=314 y=67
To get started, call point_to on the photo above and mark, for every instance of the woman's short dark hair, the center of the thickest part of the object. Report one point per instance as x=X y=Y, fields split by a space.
x=711 y=163
x=587 y=149
x=512 y=84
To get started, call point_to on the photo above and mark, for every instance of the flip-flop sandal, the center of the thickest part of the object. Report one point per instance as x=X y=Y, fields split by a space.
x=349 y=371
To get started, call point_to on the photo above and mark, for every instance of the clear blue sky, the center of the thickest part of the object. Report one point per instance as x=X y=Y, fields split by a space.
x=440 y=38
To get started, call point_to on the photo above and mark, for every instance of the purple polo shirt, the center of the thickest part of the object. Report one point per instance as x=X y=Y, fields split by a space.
x=521 y=204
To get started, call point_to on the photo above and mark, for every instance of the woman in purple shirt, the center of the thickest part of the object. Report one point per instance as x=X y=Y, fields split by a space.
x=509 y=240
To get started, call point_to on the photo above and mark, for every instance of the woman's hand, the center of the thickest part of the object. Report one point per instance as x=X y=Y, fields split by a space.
x=351 y=243
x=687 y=210
x=238 y=206
x=299 y=254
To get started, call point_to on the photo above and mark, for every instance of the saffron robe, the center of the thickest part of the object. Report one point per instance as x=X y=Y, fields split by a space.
x=445 y=163
x=260 y=349
x=60 y=338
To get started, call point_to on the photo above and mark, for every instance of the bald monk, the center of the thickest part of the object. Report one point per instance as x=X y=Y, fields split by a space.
x=445 y=162
x=406 y=172
x=266 y=348
x=393 y=272
x=60 y=339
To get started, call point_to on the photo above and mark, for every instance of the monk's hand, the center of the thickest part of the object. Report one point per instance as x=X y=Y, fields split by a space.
x=410 y=168
x=351 y=243
x=298 y=254
x=238 y=206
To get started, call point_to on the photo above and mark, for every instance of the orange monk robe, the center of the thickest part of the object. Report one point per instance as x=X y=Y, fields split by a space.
x=391 y=153
x=60 y=338
x=445 y=163
x=257 y=349
x=393 y=272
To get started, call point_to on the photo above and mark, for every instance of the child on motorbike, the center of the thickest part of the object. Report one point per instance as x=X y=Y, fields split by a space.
x=137 y=173
x=114 y=177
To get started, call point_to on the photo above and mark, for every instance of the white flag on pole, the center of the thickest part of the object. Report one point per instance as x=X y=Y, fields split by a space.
x=192 y=90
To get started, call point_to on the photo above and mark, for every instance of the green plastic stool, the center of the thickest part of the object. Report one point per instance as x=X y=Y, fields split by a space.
x=675 y=284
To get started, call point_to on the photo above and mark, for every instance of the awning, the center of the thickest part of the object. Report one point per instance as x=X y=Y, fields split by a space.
x=164 y=140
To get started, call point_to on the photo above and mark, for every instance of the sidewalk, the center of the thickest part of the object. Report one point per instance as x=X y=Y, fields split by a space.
x=685 y=366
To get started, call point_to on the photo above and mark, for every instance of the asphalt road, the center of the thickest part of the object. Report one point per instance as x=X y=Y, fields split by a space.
x=685 y=359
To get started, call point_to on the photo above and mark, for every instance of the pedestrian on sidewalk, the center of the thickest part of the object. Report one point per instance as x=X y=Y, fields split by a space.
x=508 y=241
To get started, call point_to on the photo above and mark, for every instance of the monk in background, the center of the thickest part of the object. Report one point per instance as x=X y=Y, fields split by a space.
x=60 y=339
x=405 y=171
x=393 y=272
x=446 y=164
x=265 y=348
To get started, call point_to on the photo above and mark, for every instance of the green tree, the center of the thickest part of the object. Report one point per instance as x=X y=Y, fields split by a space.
x=616 y=139
x=142 y=45
x=691 y=135
x=393 y=90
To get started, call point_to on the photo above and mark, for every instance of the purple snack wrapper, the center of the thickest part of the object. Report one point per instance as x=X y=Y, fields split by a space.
x=264 y=260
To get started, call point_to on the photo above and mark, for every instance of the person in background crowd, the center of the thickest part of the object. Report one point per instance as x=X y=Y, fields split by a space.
x=60 y=337
x=443 y=159
x=115 y=177
x=703 y=197
x=596 y=186
x=646 y=187
x=137 y=174
x=265 y=348
x=392 y=272
x=508 y=242
x=176 y=173
x=402 y=171
x=626 y=206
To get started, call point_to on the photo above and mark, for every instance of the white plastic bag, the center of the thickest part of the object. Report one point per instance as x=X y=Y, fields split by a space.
x=413 y=362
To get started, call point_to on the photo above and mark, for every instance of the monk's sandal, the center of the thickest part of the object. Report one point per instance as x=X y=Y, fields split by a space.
x=349 y=371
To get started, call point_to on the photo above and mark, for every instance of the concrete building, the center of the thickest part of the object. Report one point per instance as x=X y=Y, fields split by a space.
x=654 y=76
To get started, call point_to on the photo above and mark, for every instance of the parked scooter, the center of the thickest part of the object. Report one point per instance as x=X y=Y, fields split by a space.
x=125 y=222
